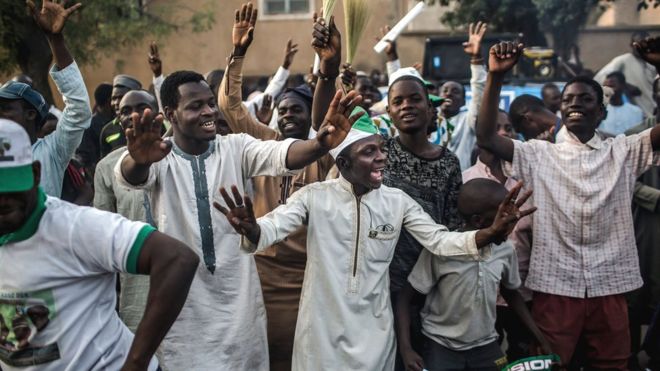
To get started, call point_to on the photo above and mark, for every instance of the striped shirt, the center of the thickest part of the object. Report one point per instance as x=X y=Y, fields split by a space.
x=584 y=241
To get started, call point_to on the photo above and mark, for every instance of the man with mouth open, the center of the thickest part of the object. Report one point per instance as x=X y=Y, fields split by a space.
x=353 y=223
x=225 y=310
x=583 y=258
x=281 y=267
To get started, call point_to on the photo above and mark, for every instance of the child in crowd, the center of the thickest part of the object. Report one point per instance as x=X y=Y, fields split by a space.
x=458 y=318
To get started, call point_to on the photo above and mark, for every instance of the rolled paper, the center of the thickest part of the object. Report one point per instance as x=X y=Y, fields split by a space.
x=399 y=27
x=317 y=64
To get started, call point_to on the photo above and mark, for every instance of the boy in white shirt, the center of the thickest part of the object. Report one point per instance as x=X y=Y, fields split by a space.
x=458 y=318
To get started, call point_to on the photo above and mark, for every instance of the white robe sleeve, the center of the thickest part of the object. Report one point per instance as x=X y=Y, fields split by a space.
x=266 y=157
x=436 y=237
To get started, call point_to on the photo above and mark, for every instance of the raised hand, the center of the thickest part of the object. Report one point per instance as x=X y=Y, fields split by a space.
x=649 y=50
x=155 y=63
x=476 y=32
x=240 y=214
x=243 y=32
x=52 y=16
x=337 y=122
x=508 y=213
x=289 y=52
x=326 y=40
x=265 y=112
x=145 y=143
x=503 y=56
x=390 y=49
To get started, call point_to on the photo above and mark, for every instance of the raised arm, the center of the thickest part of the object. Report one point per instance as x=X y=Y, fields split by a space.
x=145 y=147
x=230 y=100
x=326 y=41
x=411 y=359
x=501 y=58
x=649 y=50
x=171 y=267
x=440 y=241
x=156 y=66
x=51 y=18
x=333 y=131
x=472 y=48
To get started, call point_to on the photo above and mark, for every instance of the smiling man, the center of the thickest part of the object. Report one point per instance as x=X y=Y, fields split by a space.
x=282 y=266
x=584 y=257
x=223 y=325
x=353 y=224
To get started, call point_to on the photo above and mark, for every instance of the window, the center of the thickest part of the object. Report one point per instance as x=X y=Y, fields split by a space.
x=286 y=9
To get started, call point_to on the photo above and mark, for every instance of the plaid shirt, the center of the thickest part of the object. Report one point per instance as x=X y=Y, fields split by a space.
x=584 y=241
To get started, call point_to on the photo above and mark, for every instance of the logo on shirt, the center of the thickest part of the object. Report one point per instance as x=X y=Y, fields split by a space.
x=5 y=145
x=23 y=315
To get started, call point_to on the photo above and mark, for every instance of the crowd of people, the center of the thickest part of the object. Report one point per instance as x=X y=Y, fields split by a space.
x=345 y=222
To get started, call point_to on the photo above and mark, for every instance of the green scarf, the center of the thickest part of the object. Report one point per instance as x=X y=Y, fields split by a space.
x=29 y=228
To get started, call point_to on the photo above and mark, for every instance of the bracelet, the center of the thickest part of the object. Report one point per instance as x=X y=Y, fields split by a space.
x=325 y=77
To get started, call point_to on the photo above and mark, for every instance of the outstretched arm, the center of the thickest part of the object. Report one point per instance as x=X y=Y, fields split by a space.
x=501 y=58
x=333 y=131
x=171 y=267
x=269 y=229
x=230 y=100
x=326 y=41
x=472 y=48
x=411 y=359
x=649 y=50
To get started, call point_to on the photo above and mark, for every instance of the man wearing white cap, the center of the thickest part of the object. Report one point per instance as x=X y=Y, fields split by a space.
x=58 y=275
x=353 y=224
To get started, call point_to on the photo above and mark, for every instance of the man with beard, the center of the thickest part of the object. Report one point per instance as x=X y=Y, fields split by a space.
x=584 y=258
x=345 y=320
x=281 y=267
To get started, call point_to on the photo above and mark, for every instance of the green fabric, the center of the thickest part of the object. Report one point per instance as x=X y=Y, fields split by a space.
x=112 y=137
x=29 y=228
x=435 y=100
x=364 y=123
x=16 y=179
x=537 y=363
x=134 y=253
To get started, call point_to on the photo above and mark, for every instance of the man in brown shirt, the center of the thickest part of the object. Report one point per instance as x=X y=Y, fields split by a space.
x=282 y=266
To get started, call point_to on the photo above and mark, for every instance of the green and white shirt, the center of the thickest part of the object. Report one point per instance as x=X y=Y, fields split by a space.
x=57 y=288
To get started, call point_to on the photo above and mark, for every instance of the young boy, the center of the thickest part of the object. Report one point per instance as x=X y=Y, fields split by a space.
x=458 y=318
x=353 y=223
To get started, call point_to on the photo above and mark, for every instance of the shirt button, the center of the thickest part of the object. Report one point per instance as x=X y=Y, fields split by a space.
x=480 y=274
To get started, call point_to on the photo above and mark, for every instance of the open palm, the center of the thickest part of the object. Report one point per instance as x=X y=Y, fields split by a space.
x=145 y=143
x=475 y=35
x=52 y=16
x=243 y=31
x=338 y=122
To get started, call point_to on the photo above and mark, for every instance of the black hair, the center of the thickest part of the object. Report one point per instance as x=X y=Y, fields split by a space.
x=478 y=196
x=521 y=105
x=103 y=94
x=587 y=81
x=169 y=91
x=617 y=75
x=409 y=78
x=656 y=85
x=548 y=85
